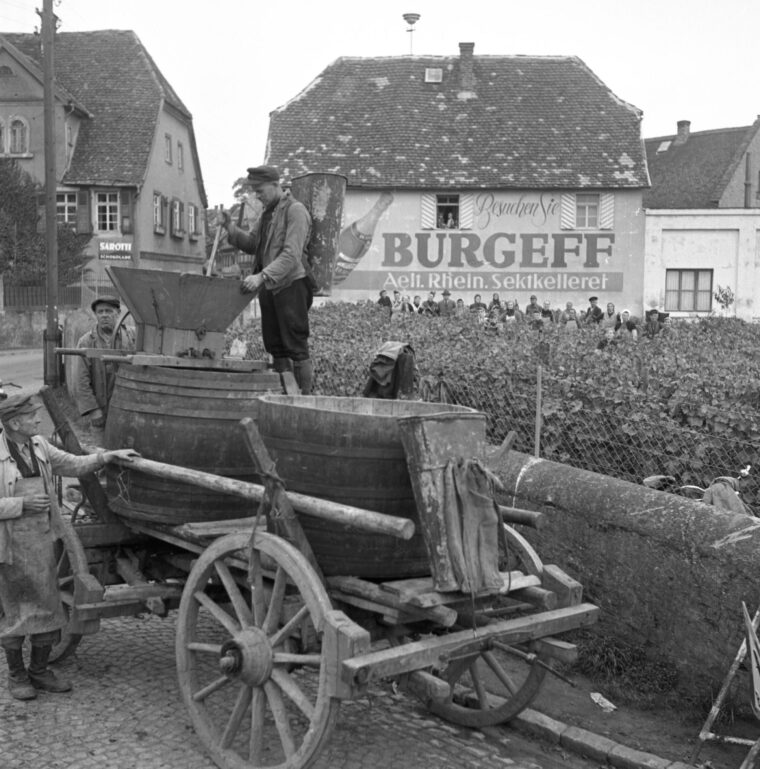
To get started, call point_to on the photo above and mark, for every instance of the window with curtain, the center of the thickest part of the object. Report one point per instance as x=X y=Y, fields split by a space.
x=688 y=290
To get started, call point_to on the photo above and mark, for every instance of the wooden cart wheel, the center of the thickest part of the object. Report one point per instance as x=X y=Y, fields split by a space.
x=255 y=701
x=71 y=560
x=489 y=688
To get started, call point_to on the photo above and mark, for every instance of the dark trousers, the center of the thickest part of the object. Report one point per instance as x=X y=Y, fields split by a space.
x=285 y=321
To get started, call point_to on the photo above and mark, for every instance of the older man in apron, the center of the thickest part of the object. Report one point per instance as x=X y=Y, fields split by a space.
x=30 y=523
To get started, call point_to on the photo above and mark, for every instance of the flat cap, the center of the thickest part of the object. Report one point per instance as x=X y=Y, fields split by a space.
x=446 y=292
x=17 y=405
x=113 y=301
x=593 y=299
x=263 y=175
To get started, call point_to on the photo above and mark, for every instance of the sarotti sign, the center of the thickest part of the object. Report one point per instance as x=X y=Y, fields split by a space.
x=115 y=249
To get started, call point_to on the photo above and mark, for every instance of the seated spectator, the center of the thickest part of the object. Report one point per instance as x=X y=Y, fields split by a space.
x=407 y=306
x=610 y=317
x=447 y=306
x=568 y=319
x=627 y=325
x=478 y=305
x=652 y=325
x=385 y=301
x=547 y=314
x=430 y=306
x=594 y=314
x=511 y=314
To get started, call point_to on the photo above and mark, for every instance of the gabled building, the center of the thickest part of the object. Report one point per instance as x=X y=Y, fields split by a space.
x=703 y=220
x=126 y=159
x=481 y=174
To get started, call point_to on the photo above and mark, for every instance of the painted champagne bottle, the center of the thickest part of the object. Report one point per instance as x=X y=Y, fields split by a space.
x=355 y=240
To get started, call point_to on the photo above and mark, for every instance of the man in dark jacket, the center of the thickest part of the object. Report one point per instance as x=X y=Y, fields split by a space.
x=278 y=244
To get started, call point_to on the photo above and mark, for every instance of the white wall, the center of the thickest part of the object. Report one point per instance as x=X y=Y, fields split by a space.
x=726 y=241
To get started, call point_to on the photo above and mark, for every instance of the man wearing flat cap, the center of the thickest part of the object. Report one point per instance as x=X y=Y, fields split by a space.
x=30 y=523
x=96 y=378
x=595 y=313
x=278 y=243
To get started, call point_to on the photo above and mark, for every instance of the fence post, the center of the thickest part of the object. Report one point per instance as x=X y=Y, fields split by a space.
x=537 y=434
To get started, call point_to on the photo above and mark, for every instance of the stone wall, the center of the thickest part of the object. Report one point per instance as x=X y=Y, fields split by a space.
x=669 y=574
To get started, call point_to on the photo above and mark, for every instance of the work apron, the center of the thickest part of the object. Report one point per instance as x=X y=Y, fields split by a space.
x=30 y=601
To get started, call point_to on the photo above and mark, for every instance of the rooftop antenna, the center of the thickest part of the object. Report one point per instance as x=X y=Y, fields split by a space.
x=411 y=19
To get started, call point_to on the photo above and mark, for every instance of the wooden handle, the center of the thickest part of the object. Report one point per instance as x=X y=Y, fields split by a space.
x=367 y=520
x=525 y=517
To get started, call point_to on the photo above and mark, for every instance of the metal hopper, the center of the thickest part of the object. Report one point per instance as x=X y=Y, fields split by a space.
x=179 y=314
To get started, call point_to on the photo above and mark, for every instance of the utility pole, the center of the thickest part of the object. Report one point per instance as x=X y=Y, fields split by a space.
x=51 y=337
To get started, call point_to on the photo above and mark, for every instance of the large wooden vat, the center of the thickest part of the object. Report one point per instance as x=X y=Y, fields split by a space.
x=349 y=450
x=186 y=417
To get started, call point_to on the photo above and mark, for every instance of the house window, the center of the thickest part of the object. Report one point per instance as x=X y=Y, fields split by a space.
x=447 y=212
x=433 y=74
x=177 y=212
x=159 y=224
x=19 y=137
x=2 y=137
x=688 y=290
x=587 y=211
x=6 y=71
x=107 y=209
x=191 y=219
x=168 y=148
x=180 y=156
x=66 y=208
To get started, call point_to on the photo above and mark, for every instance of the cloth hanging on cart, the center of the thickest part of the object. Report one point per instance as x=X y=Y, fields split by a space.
x=472 y=521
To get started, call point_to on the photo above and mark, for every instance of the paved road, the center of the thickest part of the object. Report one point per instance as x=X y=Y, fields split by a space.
x=126 y=713
x=22 y=367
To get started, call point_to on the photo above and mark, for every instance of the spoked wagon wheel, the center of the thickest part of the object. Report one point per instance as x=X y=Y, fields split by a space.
x=70 y=561
x=489 y=688
x=251 y=670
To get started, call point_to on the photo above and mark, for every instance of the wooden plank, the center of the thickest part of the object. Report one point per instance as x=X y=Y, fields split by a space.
x=432 y=651
x=562 y=651
x=378 y=600
x=227 y=364
x=289 y=384
x=342 y=640
x=419 y=593
x=219 y=528
x=568 y=590
x=536 y=596
x=105 y=534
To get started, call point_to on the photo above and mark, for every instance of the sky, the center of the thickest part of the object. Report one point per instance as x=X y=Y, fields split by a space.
x=234 y=61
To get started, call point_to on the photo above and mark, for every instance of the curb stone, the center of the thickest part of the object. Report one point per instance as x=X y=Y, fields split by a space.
x=589 y=744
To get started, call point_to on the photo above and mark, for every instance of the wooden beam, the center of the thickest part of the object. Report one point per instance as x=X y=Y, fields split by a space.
x=367 y=520
x=433 y=651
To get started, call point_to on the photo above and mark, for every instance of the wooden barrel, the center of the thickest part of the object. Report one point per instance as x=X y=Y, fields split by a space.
x=186 y=417
x=349 y=450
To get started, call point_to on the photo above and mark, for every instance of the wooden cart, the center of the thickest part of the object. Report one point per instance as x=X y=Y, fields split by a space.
x=269 y=640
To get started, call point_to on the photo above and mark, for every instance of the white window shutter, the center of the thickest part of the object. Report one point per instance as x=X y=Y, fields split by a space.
x=427 y=211
x=466 y=208
x=567 y=211
x=606 y=211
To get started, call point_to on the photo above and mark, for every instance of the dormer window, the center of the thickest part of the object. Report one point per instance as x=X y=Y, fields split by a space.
x=433 y=74
x=664 y=146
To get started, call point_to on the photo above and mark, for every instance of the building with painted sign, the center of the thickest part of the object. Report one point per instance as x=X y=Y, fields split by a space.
x=515 y=175
x=703 y=221
x=126 y=158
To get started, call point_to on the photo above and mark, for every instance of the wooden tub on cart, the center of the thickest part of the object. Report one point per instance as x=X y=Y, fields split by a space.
x=267 y=645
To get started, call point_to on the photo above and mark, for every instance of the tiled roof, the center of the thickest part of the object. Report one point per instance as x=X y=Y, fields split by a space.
x=534 y=122
x=693 y=174
x=112 y=75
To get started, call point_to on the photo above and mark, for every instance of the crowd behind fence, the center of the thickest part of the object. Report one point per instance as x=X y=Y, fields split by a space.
x=578 y=437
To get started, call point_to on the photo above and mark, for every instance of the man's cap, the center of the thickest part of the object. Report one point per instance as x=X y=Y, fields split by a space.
x=17 y=405
x=263 y=175
x=446 y=292
x=113 y=301
x=533 y=297
x=593 y=299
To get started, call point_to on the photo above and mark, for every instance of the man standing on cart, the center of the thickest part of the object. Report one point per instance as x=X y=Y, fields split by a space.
x=30 y=523
x=279 y=276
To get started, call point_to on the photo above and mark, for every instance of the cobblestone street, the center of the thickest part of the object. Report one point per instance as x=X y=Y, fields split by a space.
x=125 y=713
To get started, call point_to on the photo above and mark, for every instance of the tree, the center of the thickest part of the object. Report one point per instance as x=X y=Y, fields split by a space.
x=23 y=258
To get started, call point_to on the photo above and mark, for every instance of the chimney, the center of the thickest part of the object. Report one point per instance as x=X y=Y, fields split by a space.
x=466 y=74
x=683 y=132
